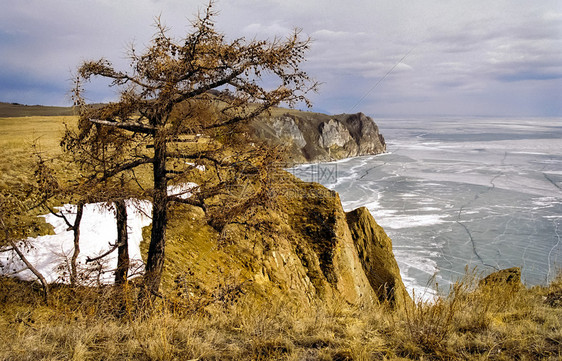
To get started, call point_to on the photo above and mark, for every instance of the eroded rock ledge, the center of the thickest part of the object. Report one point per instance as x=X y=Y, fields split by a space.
x=305 y=247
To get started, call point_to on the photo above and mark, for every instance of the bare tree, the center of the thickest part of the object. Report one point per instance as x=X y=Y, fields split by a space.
x=183 y=102
x=49 y=189
x=76 y=252
x=75 y=228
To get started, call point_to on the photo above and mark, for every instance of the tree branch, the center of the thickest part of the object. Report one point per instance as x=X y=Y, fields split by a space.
x=97 y=258
x=34 y=270
x=76 y=252
x=191 y=201
x=196 y=156
x=237 y=119
x=130 y=126
x=127 y=166
x=60 y=215
x=213 y=85
x=182 y=156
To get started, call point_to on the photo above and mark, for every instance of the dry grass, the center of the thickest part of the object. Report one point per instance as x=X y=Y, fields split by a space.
x=468 y=324
x=18 y=136
x=70 y=329
x=21 y=140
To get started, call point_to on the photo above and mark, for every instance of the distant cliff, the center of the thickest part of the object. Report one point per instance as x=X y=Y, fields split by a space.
x=313 y=137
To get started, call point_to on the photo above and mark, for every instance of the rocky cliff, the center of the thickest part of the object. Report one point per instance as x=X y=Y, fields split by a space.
x=374 y=249
x=318 y=137
x=305 y=248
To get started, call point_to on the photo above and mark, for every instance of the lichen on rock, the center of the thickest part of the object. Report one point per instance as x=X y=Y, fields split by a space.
x=509 y=277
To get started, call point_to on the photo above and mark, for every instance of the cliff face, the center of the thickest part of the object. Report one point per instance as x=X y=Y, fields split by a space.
x=319 y=137
x=306 y=248
x=374 y=248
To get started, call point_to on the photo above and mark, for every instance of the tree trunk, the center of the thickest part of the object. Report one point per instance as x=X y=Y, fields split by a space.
x=76 y=252
x=155 y=259
x=122 y=242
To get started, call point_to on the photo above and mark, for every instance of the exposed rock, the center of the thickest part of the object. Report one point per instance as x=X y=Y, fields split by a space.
x=313 y=137
x=374 y=248
x=306 y=248
x=553 y=296
x=334 y=134
x=366 y=133
x=286 y=129
x=505 y=277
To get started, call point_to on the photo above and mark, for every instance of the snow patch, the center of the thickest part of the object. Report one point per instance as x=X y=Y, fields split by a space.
x=51 y=254
x=183 y=191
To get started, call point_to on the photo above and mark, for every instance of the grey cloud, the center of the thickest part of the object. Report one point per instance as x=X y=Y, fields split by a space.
x=267 y=31
x=475 y=56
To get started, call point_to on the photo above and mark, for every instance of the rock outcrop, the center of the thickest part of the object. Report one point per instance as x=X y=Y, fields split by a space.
x=374 y=248
x=306 y=249
x=509 y=277
x=318 y=137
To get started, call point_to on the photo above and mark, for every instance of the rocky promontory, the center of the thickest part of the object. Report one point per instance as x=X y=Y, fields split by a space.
x=312 y=137
x=305 y=249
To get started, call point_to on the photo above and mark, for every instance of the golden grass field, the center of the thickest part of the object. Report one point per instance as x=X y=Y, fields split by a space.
x=502 y=323
x=18 y=135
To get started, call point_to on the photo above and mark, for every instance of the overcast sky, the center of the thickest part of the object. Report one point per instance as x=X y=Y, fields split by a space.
x=459 y=57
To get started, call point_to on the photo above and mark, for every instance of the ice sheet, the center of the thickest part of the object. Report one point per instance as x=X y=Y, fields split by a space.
x=457 y=192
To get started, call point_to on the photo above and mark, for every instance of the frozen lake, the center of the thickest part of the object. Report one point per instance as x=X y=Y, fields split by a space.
x=457 y=192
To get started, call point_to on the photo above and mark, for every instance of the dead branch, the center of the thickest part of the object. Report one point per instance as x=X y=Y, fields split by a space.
x=133 y=127
x=42 y=280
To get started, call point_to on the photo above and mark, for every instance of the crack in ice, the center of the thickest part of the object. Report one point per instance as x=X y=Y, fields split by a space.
x=470 y=237
x=552 y=249
x=551 y=181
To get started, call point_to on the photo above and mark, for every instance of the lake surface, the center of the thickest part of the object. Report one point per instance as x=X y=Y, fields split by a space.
x=455 y=192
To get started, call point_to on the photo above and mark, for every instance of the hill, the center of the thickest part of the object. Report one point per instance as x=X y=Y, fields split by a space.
x=11 y=110
x=316 y=137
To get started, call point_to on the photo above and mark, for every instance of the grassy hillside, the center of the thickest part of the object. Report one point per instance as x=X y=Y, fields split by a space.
x=8 y=110
x=19 y=136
